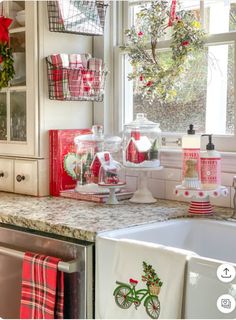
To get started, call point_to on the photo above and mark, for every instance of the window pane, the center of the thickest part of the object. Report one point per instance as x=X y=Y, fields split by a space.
x=220 y=16
x=18 y=116
x=18 y=46
x=135 y=9
x=3 y=116
x=204 y=95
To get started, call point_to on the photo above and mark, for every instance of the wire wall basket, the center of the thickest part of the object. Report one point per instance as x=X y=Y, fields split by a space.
x=79 y=17
x=75 y=84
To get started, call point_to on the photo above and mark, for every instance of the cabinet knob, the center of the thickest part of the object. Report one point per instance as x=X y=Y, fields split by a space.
x=1 y=174
x=19 y=178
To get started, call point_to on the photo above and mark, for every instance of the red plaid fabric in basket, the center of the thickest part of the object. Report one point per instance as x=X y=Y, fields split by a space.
x=59 y=75
x=88 y=80
x=42 y=293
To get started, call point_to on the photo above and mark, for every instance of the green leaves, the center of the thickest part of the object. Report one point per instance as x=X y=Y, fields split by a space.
x=7 y=71
x=148 y=65
x=150 y=276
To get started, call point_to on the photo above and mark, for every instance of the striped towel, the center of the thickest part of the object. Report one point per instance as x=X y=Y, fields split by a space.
x=42 y=293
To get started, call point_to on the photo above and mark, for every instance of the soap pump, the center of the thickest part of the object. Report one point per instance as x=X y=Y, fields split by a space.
x=210 y=166
x=191 y=143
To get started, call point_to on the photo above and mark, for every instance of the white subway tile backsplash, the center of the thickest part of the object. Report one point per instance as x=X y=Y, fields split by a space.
x=173 y=174
x=167 y=174
x=131 y=183
x=157 y=187
x=131 y=172
x=227 y=179
x=222 y=201
x=160 y=174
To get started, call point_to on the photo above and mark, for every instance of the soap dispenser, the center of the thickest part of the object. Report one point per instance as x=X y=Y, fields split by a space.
x=210 y=166
x=191 y=143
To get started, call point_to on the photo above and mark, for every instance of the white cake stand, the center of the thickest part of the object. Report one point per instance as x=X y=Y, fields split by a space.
x=200 y=203
x=143 y=194
x=112 y=199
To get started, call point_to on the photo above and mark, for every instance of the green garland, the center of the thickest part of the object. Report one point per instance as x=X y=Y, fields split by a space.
x=156 y=76
x=7 y=71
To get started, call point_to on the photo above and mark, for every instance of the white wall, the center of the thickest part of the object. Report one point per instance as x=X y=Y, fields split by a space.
x=59 y=114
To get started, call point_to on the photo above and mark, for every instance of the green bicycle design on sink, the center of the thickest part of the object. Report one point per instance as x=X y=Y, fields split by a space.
x=125 y=294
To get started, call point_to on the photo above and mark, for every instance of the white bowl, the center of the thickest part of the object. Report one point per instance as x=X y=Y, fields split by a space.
x=20 y=19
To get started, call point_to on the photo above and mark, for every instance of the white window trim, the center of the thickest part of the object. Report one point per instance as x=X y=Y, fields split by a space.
x=224 y=143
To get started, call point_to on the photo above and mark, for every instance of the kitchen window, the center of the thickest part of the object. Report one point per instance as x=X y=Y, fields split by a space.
x=206 y=93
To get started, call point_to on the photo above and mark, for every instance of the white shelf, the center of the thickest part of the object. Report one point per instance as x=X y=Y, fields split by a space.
x=13 y=88
x=17 y=30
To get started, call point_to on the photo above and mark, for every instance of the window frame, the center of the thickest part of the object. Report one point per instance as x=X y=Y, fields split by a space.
x=123 y=101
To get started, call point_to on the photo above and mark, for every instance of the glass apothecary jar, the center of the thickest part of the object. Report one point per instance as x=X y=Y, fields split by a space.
x=141 y=143
x=87 y=147
x=111 y=173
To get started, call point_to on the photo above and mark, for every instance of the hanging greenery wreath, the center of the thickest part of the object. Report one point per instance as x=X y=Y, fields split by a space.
x=155 y=74
x=7 y=71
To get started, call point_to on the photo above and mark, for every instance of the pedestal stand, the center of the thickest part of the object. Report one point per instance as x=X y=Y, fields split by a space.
x=112 y=199
x=200 y=204
x=143 y=194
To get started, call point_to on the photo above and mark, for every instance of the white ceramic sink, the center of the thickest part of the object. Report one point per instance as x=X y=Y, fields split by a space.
x=208 y=238
x=213 y=241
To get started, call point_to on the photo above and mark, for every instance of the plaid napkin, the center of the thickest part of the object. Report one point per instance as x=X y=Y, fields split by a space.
x=95 y=64
x=75 y=61
x=42 y=293
x=75 y=82
x=85 y=57
x=58 y=75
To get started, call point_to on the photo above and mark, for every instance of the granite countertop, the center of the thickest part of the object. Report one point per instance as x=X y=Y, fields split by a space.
x=84 y=220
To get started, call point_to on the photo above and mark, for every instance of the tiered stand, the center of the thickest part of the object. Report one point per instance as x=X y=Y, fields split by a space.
x=143 y=194
x=200 y=204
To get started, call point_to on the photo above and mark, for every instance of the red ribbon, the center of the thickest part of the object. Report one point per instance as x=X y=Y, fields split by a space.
x=4 y=33
x=172 y=13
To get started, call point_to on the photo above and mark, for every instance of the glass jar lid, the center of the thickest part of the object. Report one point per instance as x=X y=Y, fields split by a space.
x=142 y=122
x=95 y=136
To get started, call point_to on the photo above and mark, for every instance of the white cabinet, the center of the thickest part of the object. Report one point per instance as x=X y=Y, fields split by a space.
x=6 y=175
x=26 y=177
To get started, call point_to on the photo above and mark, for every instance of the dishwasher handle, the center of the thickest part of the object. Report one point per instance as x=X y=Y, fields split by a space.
x=66 y=267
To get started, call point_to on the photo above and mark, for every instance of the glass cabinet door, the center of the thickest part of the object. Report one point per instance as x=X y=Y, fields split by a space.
x=3 y=116
x=19 y=110
x=18 y=116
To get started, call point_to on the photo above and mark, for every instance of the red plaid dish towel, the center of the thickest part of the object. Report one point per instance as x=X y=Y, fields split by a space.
x=59 y=75
x=42 y=292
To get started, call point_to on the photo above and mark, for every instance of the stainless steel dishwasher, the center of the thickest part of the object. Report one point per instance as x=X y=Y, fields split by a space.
x=77 y=264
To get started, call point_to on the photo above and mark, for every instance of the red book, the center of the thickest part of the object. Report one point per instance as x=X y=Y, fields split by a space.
x=61 y=142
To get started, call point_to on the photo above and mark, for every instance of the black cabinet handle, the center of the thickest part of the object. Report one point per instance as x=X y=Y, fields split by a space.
x=1 y=174
x=19 y=178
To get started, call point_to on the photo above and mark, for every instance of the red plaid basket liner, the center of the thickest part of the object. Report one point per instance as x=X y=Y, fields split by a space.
x=42 y=293
x=73 y=83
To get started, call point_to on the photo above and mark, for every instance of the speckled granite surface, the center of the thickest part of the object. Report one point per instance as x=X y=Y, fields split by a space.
x=83 y=220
